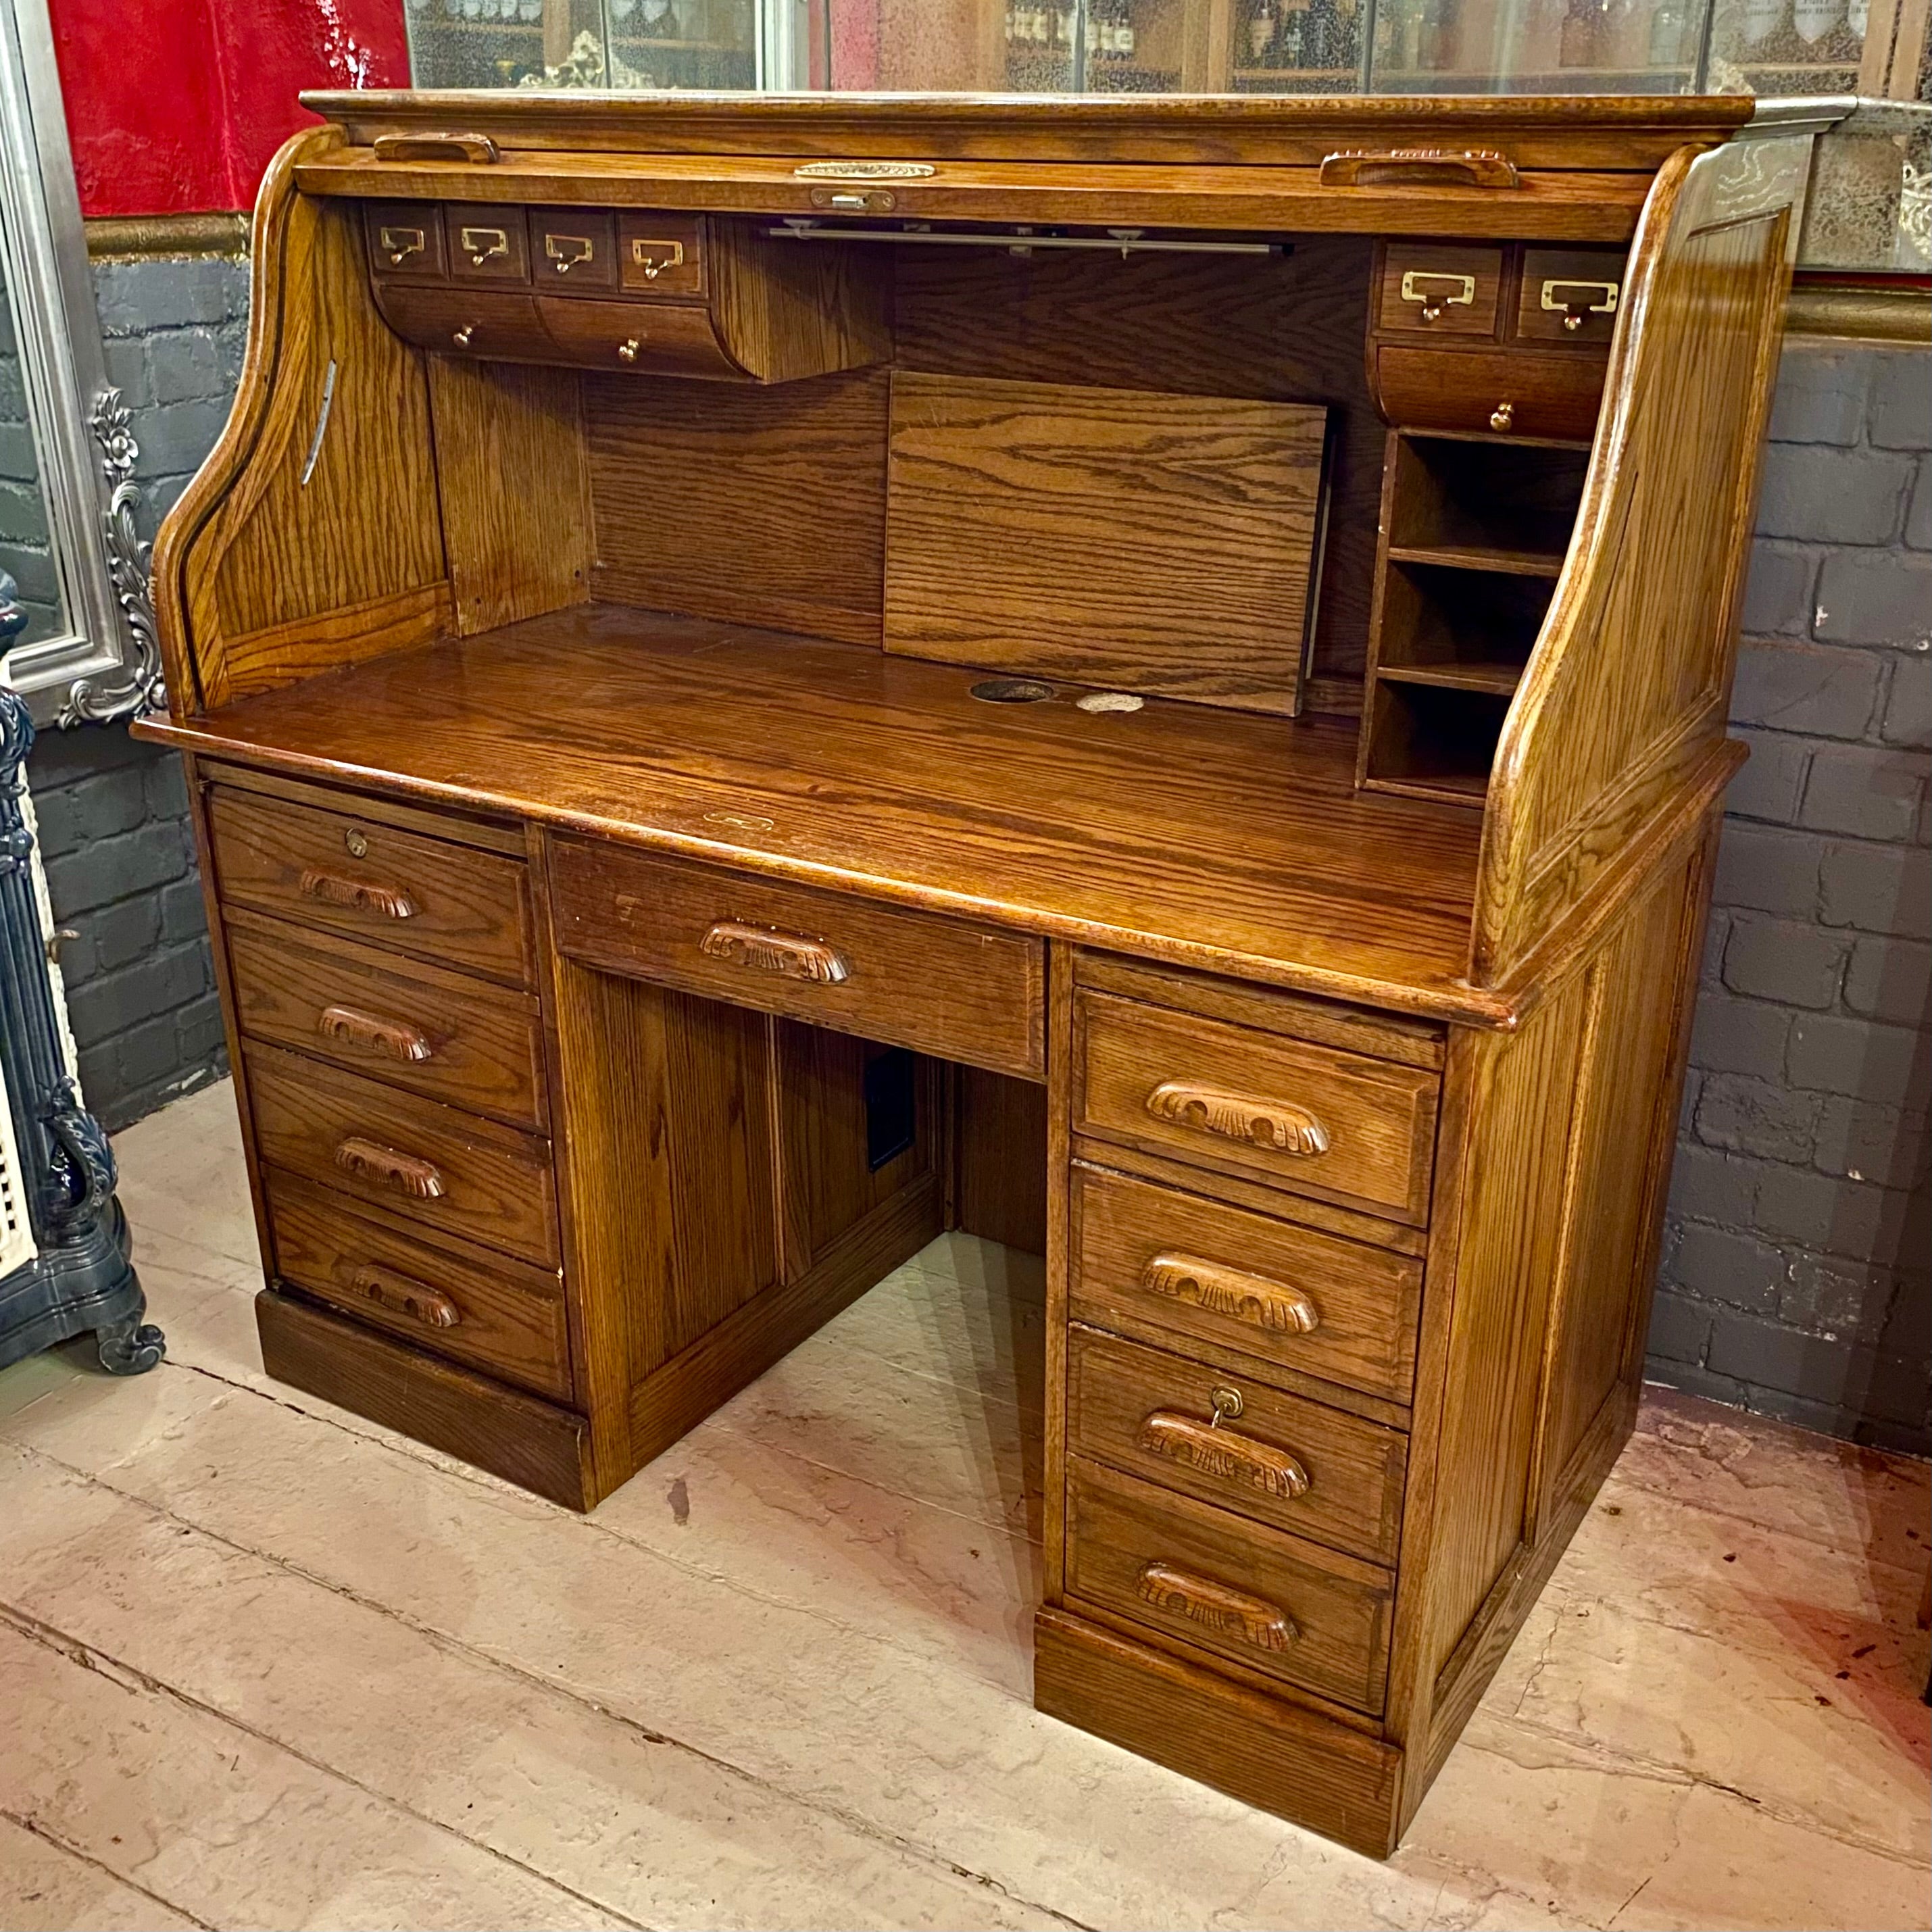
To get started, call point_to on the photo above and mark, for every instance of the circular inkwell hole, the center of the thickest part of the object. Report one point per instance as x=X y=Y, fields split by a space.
x=1011 y=691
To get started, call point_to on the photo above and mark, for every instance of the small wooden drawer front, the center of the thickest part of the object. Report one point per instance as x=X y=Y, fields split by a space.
x=659 y=338
x=356 y=876
x=1569 y=296
x=462 y=1302
x=1429 y=289
x=1216 y=1434
x=661 y=254
x=1300 y=1116
x=485 y=323
x=1506 y=391
x=905 y=978
x=1218 y=1276
x=1289 y=1609
x=449 y=1170
x=488 y=244
x=451 y=1038
x=405 y=240
x=573 y=248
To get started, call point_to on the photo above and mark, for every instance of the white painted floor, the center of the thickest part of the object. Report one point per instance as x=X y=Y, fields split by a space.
x=263 y=1664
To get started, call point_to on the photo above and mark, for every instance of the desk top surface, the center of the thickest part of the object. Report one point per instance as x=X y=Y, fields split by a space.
x=1213 y=838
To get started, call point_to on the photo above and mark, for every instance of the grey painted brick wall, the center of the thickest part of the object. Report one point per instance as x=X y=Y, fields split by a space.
x=1797 y=1270
x=112 y=813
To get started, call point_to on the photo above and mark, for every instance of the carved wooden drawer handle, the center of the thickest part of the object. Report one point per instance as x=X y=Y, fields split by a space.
x=1273 y=1124
x=1426 y=167
x=1252 y=1298
x=1224 y=1452
x=406 y=1173
x=789 y=954
x=391 y=1040
x=401 y=1295
x=1216 y=1606
x=358 y=895
x=476 y=150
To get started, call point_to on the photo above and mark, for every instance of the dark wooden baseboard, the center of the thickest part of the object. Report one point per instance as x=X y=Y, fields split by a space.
x=530 y=1443
x=1286 y=1760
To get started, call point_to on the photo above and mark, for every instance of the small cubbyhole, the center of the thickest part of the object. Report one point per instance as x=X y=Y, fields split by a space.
x=1434 y=741
x=1468 y=628
x=1490 y=505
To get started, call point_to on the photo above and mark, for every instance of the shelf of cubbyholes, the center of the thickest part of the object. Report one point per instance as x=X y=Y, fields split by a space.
x=1474 y=532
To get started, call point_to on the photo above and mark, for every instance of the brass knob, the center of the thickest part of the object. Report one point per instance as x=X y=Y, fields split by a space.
x=1502 y=416
x=1573 y=320
x=627 y=352
x=465 y=335
x=1431 y=311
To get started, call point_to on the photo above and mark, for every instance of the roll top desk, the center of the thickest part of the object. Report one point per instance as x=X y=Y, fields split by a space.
x=763 y=677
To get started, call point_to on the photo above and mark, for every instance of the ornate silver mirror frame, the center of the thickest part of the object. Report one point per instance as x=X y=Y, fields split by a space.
x=106 y=661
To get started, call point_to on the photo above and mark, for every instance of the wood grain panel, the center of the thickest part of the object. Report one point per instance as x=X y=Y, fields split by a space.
x=515 y=489
x=1155 y=1557
x=530 y=1443
x=491 y=1184
x=1351 y=1470
x=1365 y=1298
x=437 y=1033
x=1000 y=1183
x=1123 y=538
x=755 y=505
x=502 y=1317
x=786 y=311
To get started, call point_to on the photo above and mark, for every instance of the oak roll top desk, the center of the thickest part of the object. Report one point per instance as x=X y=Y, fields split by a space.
x=762 y=677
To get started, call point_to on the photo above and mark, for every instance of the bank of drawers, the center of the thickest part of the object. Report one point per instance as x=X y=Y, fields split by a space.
x=393 y=1047
x=1237 y=1376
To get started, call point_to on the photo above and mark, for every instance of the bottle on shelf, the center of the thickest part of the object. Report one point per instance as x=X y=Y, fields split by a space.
x=1264 y=29
x=1581 y=42
x=1293 y=33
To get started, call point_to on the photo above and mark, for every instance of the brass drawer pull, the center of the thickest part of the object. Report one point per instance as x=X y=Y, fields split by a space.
x=400 y=244
x=567 y=251
x=389 y=1039
x=387 y=1167
x=357 y=895
x=1273 y=1124
x=787 y=954
x=1575 y=301
x=1252 y=1298
x=401 y=1295
x=477 y=150
x=1225 y=1453
x=1216 y=1606
x=1420 y=167
x=654 y=257
x=484 y=245
x=1443 y=291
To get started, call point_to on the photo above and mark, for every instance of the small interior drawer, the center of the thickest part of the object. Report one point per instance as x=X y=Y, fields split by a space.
x=1429 y=289
x=1569 y=296
x=1296 y=1115
x=1525 y=392
x=406 y=240
x=1219 y=1277
x=661 y=254
x=356 y=876
x=413 y=1025
x=485 y=322
x=885 y=973
x=573 y=248
x=459 y=1301
x=659 y=338
x=1287 y=1608
x=488 y=243
x=414 y=1157
x=1216 y=1434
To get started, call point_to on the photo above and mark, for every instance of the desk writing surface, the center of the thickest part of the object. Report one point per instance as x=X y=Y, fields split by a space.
x=1223 y=839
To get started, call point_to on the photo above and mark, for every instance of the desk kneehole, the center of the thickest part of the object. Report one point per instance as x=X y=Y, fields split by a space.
x=887 y=972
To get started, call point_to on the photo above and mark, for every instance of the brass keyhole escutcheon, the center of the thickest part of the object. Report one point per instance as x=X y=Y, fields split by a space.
x=1226 y=1403
x=358 y=845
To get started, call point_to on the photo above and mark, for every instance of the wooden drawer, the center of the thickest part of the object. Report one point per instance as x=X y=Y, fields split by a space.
x=661 y=254
x=1211 y=1274
x=1288 y=1609
x=908 y=979
x=488 y=244
x=1287 y=1111
x=653 y=338
x=1569 y=296
x=1216 y=1433
x=462 y=1302
x=438 y=1033
x=355 y=876
x=573 y=248
x=449 y=1170
x=1429 y=289
x=405 y=240
x=484 y=323
x=1514 y=392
